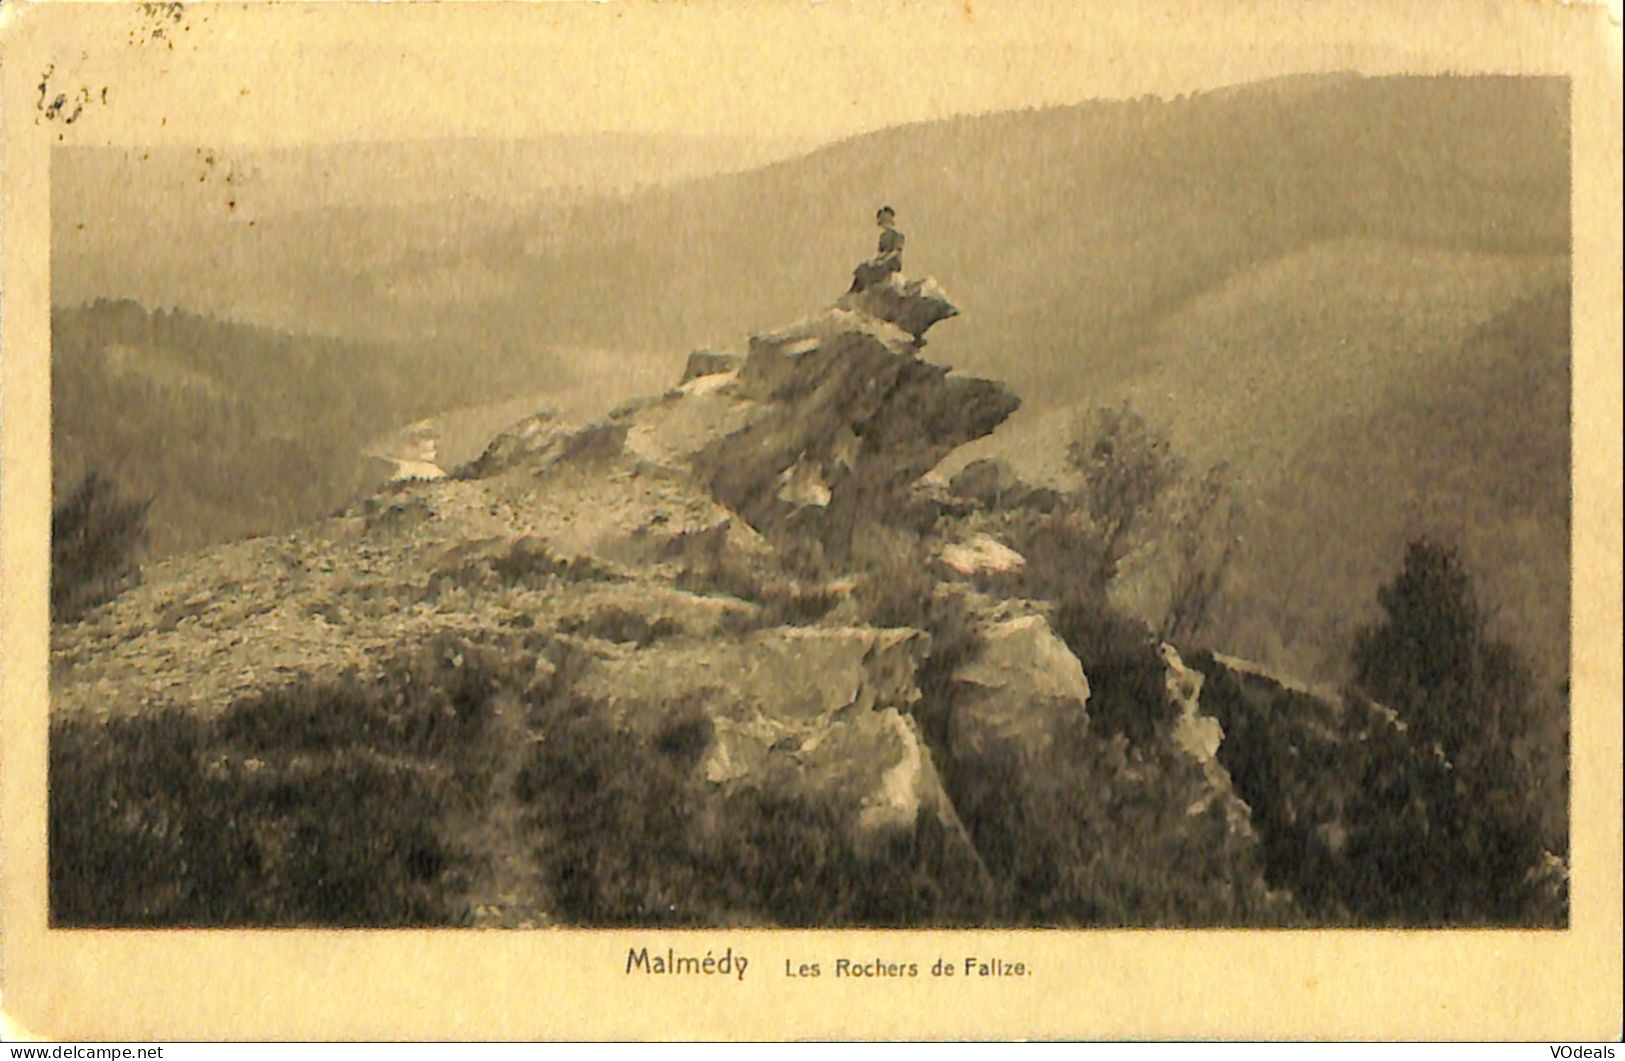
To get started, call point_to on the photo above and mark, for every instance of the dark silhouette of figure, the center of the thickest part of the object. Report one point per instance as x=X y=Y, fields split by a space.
x=890 y=257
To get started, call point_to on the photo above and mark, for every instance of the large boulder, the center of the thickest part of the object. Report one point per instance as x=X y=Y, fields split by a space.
x=841 y=401
x=1021 y=681
x=980 y=554
x=532 y=438
x=818 y=716
x=994 y=485
x=912 y=305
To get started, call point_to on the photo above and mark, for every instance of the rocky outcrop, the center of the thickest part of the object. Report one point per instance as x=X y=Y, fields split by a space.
x=1022 y=680
x=616 y=574
x=637 y=671
x=980 y=554
x=841 y=400
x=994 y=485
x=708 y=363
x=912 y=305
x=1196 y=734
x=818 y=714
x=411 y=453
x=1199 y=736
x=530 y=439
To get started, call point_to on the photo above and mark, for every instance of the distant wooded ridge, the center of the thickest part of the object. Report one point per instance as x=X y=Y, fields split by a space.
x=1355 y=289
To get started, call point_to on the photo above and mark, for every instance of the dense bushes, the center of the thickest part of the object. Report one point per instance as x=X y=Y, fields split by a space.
x=630 y=834
x=153 y=822
x=1124 y=467
x=308 y=805
x=1102 y=832
x=1430 y=658
x=1437 y=842
x=1145 y=503
x=1126 y=675
x=1417 y=816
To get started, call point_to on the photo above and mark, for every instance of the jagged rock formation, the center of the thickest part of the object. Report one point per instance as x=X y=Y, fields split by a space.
x=650 y=670
x=1023 y=678
x=834 y=418
x=618 y=567
x=912 y=305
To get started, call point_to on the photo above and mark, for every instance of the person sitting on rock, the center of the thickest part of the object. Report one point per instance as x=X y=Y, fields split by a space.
x=890 y=258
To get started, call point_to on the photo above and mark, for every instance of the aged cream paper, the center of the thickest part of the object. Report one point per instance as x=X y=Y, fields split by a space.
x=287 y=74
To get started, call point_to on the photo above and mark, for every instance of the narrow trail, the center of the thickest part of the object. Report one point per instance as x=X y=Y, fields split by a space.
x=509 y=889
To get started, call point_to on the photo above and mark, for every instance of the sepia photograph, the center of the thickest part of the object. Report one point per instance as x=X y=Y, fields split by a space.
x=504 y=494
x=1162 y=521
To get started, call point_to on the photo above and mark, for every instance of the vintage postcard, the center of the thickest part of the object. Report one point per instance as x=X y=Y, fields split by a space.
x=845 y=519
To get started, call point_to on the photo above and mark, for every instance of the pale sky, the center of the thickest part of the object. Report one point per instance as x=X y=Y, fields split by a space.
x=792 y=69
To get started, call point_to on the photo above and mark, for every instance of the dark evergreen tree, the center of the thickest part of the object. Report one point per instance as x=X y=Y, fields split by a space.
x=97 y=533
x=1445 y=830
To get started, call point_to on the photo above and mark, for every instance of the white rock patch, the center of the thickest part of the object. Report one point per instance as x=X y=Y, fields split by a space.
x=982 y=554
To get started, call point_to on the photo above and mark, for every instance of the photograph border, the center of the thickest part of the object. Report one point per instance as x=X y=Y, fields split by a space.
x=1097 y=984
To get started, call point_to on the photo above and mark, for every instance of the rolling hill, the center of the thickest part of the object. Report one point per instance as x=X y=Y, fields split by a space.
x=235 y=430
x=1392 y=391
x=1348 y=287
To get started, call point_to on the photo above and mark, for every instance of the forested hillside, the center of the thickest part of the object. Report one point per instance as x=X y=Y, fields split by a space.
x=234 y=430
x=1350 y=289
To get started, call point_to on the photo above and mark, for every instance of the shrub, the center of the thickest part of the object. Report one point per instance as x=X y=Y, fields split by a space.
x=610 y=815
x=1136 y=491
x=317 y=805
x=529 y=562
x=630 y=834
x=1430 y=637
x=97 y=534
x=785 y=601
x=1127 y=692
x=1101 y=833
x=1125 y=466
x=1431 y=659
x=153 y=823
x=1199 y=545
x=623 y=626
x=894 y=582
x=1065 y=557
